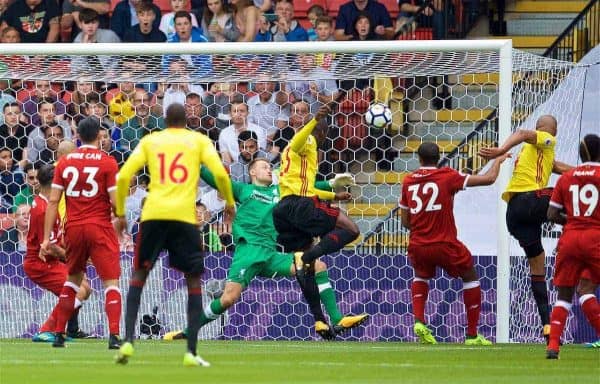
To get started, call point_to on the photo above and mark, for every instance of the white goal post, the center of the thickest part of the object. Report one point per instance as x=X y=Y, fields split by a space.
x=390 y=59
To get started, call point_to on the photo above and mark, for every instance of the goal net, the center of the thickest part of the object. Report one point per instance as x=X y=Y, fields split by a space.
x=461 y=94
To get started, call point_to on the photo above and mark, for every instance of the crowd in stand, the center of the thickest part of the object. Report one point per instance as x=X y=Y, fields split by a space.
x=244 y=120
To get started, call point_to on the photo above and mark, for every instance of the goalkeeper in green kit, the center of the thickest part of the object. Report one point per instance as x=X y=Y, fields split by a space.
x=256 y=252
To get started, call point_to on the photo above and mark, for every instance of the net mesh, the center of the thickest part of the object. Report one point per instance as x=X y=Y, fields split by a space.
x=446 y=97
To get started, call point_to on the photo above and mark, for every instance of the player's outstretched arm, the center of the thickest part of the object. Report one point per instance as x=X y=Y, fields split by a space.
x=490 y=176
x=559 y=167
x=221 y=178
x=134 y=163
x=518 y=137
x=209 y=178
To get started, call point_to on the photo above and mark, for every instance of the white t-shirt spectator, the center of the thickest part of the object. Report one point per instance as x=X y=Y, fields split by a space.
x=228 y=141
x=266 y=115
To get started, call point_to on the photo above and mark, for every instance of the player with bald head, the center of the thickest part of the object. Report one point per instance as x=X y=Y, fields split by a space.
x=64 y=148
x=528 y=197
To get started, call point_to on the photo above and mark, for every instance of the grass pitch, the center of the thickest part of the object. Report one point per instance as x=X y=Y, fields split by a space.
x=90 y=362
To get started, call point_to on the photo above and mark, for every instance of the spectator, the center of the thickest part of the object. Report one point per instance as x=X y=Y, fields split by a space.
x=37 y=139
x=53 y=134
x=248 y=148
x=43 y=91
x=363 y=30
x=69 y=22
x=31 y=188
x=139 y=125
x=124 y=16
x=378 y=13
x=38 y=21
x=7 y=95
x=218 y=100
x=299 y=116
x=316 y=92
x=167 y=22
x=432 y=16
x=217 y=22
x=107 y=146
x=90 y=33
x=13 y=133
x=186 y=33
x=313 y=14
x=197 y=118
x=324 y=32
x=15 y=239
x=264 y=110
x=10 y=35
x=144 y=31
x=228 y=138
x=245 y=17
x=120 y=108
x=167 y=94
x=285 y=27
x=3 y=7
x=11 y=178
x=79 y=98
x=138 y=190
x=96 y=107
x=210 y=239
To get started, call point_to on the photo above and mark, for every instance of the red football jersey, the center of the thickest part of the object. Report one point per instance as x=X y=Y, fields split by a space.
x=86 y=176
x=428 y=194
x=35 y=236
x=578 y=192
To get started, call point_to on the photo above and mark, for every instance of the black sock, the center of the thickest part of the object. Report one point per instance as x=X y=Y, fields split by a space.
x=194 y=310
x=331 y=242
x=310 y=290
x=133 y=305
x=540 y=294
x=73 y=323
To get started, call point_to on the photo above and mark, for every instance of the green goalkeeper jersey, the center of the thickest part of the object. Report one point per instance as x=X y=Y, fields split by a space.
x=254 y=217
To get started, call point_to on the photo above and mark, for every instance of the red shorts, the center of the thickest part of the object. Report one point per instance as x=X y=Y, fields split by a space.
x=454 y=258
x=577 y=251
x=48 y=275
x=98 y=243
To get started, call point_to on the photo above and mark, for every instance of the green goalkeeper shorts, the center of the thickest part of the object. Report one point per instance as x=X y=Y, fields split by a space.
x=252 y=260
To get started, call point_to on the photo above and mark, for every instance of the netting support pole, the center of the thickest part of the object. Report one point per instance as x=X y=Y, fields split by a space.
x=503 y=262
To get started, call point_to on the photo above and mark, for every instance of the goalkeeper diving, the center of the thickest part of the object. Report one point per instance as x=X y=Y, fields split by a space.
x=256 y=252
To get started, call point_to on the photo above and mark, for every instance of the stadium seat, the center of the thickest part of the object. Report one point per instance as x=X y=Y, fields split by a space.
x=113 y=4
x=301 y=7
x=353 y=130
x=333 y=6
x=392 y=7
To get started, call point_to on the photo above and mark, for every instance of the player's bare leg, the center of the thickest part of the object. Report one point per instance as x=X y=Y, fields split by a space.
x=537 y=269
x=73 y=330
x=472 y=301
x=558 y=320
x=65 y=307
x=136 y=286
x=589 y=304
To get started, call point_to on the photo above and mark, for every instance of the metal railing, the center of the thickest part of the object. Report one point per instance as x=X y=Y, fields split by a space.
x=579 y=37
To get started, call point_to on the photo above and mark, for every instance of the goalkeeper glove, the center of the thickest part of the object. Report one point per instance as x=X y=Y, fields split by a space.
x=341 y=180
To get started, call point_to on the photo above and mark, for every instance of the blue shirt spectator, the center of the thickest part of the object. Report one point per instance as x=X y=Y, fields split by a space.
x=349 y=12
x=11 y=177
x=284 y=28
x=186 y=33
x=124 y=17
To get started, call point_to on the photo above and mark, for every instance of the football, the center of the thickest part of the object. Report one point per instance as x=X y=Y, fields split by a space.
x=378 y=116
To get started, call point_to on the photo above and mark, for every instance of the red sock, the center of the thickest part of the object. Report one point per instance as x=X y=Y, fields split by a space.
x=558 y=320
x=50 y=323
x=65 y=306
x=472 y=300
x=112 y=306
x=591 y=309
x=419 y=290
